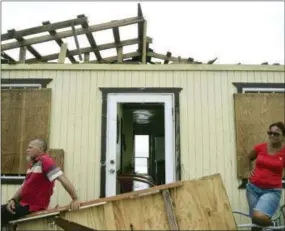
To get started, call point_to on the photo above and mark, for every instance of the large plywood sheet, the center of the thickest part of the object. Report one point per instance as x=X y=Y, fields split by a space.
x=253 y=115
x=200 y=204
x=25 y=115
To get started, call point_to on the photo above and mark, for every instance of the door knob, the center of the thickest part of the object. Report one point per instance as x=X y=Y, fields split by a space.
x=112 y=170
x=112 y=161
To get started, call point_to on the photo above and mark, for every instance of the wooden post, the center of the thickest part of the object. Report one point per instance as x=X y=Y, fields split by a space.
x=143 y=52
x=62 y=54
x=86 y=57
x=22 y=55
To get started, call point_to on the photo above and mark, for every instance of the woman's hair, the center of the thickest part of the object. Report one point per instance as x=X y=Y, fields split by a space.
x=280 y=125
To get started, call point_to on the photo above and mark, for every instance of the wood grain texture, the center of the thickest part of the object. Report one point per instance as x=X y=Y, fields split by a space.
x=25 y=116
x=58 y=156
x=200 y=204
x=253 y=115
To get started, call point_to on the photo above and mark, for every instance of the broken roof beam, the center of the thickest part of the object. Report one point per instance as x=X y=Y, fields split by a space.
x=212 y=61
x=65 y=34
x=41 y=29
x=60 y=42
x=90 y=38
x=20 y=39
x=90 y=49
x=119 y=48
x=142 y=35
x=165 y=57
x=115 y=58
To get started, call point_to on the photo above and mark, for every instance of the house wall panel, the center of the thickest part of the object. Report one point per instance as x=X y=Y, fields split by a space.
x=206 y=115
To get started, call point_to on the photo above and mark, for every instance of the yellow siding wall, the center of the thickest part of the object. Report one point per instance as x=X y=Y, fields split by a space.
x=207 y=122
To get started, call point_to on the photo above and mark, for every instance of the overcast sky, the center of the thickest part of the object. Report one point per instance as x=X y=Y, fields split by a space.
x=245 y=32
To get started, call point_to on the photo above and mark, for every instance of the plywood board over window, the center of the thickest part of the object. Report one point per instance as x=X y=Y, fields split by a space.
x=25 y=116
x=254 y=112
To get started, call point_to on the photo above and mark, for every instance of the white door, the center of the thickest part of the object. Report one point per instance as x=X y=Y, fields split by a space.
x=112 y=101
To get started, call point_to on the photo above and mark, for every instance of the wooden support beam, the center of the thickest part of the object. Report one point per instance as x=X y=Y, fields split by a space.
x=60 y=42
x=76 y=43
x=143 y=43
x=119 y=48
x=22 y=54
x=71 y=226
x=86 y=57
x=91 y=39
x=169 y=210
x=40 y=29
x=89 y=49
x=6 y=56
x=29 y=47
x=142 y=26
x=62 y=54
x=65 y=34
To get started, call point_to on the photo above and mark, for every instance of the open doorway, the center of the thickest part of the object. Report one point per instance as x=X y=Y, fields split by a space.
x=141 y=150
x=140 y=141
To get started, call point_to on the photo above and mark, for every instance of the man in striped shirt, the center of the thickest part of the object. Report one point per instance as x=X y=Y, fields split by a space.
x=37 y=189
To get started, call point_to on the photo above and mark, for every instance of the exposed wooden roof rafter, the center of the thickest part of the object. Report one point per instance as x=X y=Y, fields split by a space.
x=144 y=54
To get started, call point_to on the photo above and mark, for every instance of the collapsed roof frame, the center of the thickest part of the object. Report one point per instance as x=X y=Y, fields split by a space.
x=142 y=55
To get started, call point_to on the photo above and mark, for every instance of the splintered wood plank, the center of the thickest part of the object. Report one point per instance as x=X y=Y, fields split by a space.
x=200 y=204
x=253 y=115
x=25 y=116
x=203 y=204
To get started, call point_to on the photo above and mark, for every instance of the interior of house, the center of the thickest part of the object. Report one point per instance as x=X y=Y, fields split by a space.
x=140 y=145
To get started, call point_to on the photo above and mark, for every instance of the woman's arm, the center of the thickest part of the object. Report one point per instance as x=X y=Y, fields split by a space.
x=252 y=155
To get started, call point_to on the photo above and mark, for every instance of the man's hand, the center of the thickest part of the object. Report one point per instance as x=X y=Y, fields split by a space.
x=11 y=206
x=74 y=205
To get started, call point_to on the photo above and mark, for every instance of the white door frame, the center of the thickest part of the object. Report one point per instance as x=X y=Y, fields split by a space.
x=112 y=100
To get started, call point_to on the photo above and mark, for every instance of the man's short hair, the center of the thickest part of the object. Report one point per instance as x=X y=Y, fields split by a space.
x=43 y=144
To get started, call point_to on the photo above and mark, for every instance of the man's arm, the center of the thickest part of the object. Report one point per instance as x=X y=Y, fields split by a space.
x=68 y=186
x=54 y=173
